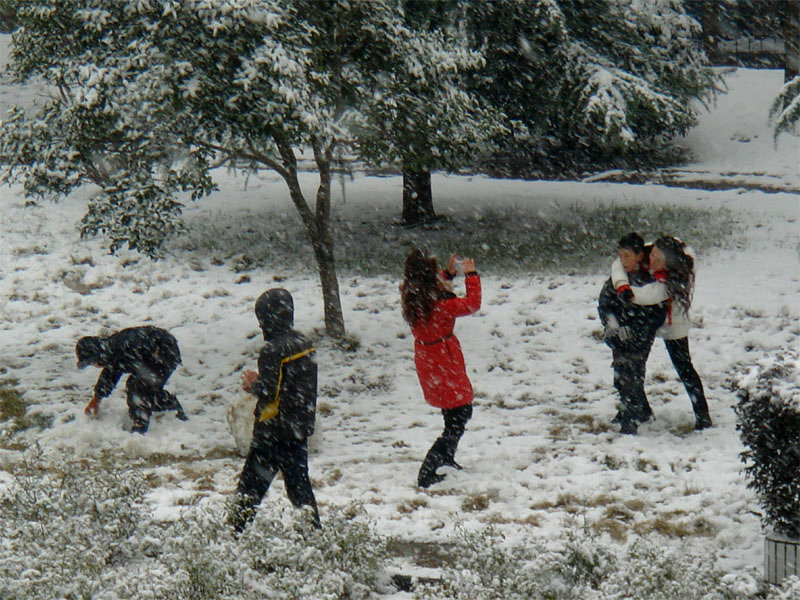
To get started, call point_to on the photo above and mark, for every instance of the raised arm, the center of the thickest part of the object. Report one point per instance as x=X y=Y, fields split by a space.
x=460 y=307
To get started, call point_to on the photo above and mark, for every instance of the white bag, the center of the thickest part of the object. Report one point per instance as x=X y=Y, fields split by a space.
x=241 y=419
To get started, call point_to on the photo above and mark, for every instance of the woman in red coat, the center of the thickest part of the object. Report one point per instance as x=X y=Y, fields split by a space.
x=431 y=308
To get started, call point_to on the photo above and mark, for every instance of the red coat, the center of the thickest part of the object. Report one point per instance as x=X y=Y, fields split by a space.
x=437 y=353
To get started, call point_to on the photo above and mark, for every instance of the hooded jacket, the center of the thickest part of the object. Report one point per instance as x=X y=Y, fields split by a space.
x=286 y=388
x=437 y=352
x=149 y=353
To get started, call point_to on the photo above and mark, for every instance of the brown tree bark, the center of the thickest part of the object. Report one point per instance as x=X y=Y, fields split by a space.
x=318 y=227
x=417 y=197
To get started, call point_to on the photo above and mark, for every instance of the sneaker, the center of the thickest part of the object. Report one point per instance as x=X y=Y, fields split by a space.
x=180 y=415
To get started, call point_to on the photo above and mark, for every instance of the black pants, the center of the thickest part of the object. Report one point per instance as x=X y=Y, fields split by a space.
x=678 y=351
x=443 y=451
x=146 y=395
x=267 y=456
x=629 y=373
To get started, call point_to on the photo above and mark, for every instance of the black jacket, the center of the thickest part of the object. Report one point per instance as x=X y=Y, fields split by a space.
x=286 y=387
x=150 y=353
x=643 y=321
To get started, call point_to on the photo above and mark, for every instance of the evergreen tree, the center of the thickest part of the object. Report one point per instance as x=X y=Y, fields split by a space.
x=148 y=96
x=591 y=81
x=427 y=119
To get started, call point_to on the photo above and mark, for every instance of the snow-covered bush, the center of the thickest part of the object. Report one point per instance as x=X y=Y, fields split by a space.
x=586 y=567
x=83 y=529
x=769 y=425
x=66 y=528
x=785 y=111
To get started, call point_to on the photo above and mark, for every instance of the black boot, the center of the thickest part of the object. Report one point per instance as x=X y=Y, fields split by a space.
x=702 y=422
x=179 y=414
x=628 y=427
x=433 y=460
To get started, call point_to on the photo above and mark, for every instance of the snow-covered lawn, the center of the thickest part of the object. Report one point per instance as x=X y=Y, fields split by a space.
x=539 y=453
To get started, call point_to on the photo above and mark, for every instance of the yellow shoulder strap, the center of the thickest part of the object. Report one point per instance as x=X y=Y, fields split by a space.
x=271 y=409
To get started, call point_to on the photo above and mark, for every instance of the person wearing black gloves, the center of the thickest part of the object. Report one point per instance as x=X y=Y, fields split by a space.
x=285 y=387
x=150 y=355
x=629 y=330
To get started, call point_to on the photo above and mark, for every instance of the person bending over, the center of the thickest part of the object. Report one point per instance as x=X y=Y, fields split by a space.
x=150 y=355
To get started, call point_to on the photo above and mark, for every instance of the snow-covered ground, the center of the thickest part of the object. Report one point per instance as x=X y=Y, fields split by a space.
x=538 y=451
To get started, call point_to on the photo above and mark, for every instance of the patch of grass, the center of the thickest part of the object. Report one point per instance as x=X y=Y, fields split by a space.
x=478 y=501
x=514 y=240
x=14 y=411
x=12 y=406
x=410 y=505
x=617 y=530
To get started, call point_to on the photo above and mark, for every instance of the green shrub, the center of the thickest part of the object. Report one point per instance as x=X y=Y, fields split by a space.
x=769 y=425
x=82 y=529
x=488 y=567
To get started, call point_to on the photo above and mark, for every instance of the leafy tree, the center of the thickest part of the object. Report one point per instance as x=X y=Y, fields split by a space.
x=431 y=122
x=150 y=96
x=785 y=111
x=592 y=81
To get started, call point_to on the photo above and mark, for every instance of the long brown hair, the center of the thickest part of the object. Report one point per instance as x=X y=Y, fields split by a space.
x=680 y=270
x=420 y=288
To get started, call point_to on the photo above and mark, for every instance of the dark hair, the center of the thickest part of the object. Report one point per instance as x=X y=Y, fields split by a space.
x=680 y=270
x=90 y=350
x=420 y=288
x=632 y=241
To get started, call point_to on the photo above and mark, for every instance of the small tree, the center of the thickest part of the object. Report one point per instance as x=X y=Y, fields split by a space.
x=427 y=119
x=150 y=96
x=769 y=425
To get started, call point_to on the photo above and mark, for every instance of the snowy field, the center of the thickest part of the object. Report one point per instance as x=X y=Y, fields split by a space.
x=539 y=452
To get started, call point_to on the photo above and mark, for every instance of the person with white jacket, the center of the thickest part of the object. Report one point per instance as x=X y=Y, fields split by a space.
x=672 y=264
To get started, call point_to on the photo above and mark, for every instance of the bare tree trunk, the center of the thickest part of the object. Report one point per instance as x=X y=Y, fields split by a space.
x=318 y=226
x=790 y=26
x=417 y=197
x=323 y=245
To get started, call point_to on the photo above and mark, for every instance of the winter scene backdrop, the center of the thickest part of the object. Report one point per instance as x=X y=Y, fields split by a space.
x=552 y=502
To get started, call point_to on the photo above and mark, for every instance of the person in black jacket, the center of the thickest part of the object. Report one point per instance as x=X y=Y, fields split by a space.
x=149 y=354
x=629 y=330
x=285 y=387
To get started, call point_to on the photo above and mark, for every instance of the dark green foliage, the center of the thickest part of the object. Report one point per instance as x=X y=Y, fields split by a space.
x=769 y=425
x=8 y=16
x=587 y=84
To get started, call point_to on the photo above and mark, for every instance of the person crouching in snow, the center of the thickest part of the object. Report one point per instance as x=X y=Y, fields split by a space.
x=285 y=387
x=150 y=355
x=431 y=309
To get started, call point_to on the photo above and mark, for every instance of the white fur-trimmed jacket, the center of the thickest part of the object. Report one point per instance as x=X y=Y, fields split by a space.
x=678 y=321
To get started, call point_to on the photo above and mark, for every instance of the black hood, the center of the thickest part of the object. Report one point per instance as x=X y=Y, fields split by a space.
x=275 y=312
x=90 y=350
